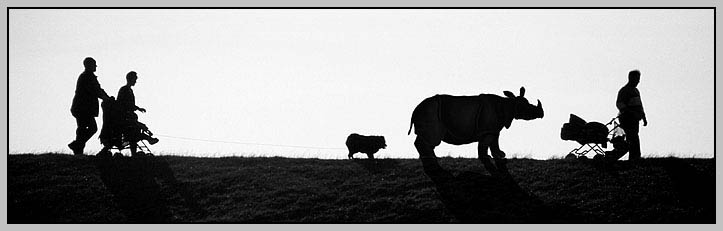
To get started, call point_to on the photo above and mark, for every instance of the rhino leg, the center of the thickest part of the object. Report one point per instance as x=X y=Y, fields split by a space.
x=482 y=154
x=498 y=154
x=370 y=155
x=429 y=159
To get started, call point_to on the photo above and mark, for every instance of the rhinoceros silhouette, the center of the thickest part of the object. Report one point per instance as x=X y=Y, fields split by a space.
x=462 y=120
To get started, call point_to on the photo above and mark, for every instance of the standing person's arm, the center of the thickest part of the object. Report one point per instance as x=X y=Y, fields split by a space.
x=638 y=103
x=97 y=90
x=621 y=102
x=645 y=119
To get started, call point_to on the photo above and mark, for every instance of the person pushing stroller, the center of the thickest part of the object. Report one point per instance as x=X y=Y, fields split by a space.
x=127 y=106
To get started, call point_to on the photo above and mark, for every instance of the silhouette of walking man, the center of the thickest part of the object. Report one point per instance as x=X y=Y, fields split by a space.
x=127 y=103
x=631 y=112
x=85 y=105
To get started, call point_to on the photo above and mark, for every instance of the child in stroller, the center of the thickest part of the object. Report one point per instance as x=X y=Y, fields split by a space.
x=121 y=130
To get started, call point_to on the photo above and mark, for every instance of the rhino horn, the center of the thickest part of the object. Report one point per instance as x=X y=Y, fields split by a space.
x=539 y=105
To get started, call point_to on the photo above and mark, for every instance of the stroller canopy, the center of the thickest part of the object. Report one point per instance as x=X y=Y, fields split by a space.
x=584 y=132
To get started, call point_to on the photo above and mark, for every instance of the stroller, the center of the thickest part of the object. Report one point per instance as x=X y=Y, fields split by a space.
x=593 y=137
x=121 y=130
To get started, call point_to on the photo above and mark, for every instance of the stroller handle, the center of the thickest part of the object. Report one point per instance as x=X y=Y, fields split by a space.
x=612 y=120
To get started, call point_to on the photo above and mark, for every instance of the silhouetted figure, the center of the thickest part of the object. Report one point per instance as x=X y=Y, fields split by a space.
x=631 y=112
x=466 y=119
x=364 y=144
x=127 y=107
x=85 y=105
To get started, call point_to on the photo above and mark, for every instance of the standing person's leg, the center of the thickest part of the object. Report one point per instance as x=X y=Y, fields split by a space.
x=634 y=141
x=86 y=128
x=631 y=127
x=74 y=145
x=90 y=128
x=134 y=148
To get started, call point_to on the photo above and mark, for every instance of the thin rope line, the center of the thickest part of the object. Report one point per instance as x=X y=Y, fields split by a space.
x=245 y=143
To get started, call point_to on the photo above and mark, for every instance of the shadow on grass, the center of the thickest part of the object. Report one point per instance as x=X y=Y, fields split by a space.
x=693 y=187
x=137 y=192
x=378 y=166
x=477 y=198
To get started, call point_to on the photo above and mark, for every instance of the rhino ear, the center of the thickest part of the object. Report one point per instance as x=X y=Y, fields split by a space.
x=522 y=92
x=509 y=94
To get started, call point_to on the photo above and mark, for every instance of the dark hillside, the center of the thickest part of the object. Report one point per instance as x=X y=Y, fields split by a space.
x=53 y=188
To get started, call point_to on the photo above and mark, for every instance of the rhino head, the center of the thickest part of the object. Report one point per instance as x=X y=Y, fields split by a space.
x=522 y=108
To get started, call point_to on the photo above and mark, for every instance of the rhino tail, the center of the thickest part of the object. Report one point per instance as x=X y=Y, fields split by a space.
x=411 y=120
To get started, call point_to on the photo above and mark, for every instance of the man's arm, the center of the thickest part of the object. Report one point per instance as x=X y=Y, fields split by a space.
x=98 y=91
x=124 y=98
x=621 y=102
x=645 y=119
x=637 y=102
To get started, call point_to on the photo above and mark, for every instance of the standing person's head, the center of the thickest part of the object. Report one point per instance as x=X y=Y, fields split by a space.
x=634 y=78
x=89 y=64
x=131 y=78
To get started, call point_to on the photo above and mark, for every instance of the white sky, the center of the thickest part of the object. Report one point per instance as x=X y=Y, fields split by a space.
x=312 y=77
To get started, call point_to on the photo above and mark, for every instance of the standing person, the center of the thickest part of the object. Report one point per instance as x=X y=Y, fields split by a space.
x=85 y=105
x=631 y=112
x=127 y=104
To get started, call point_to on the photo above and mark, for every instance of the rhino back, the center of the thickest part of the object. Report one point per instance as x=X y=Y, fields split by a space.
x=467 y=116
x=459 y=113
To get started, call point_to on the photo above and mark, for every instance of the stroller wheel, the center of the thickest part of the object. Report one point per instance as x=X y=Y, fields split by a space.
x=571 y=156
x=118 y=155
x=583 y=158
x=139 y=154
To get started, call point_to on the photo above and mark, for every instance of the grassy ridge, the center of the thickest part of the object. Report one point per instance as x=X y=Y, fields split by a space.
x=54 y=188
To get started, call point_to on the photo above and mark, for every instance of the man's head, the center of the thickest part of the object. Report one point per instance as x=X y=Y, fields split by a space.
x=131 y=78
x=89 y=64
x=634 y=77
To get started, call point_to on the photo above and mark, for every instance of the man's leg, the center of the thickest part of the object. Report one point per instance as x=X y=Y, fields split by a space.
x=134 y=148
x=631 y=128
x=634 y=141
x=132 y=135
x=86 y=128
x=139 y=131
x=145 y=134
